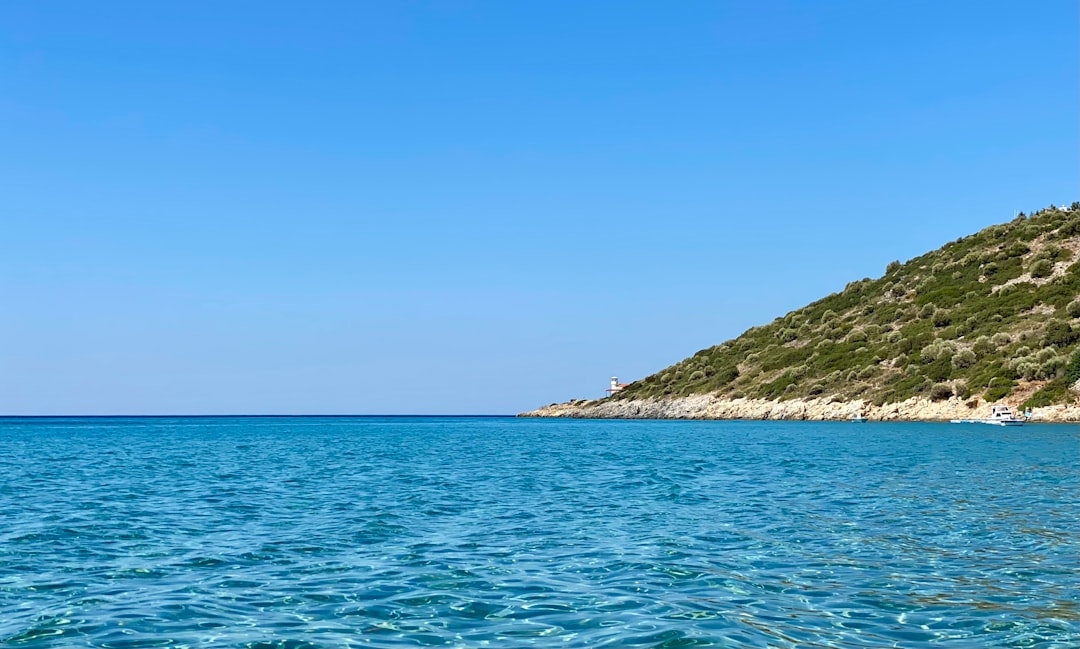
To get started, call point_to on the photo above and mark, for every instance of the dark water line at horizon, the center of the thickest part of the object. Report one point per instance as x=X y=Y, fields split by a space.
x=316 y=531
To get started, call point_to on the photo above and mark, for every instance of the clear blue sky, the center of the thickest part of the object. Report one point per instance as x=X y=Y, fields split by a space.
x=482 y=207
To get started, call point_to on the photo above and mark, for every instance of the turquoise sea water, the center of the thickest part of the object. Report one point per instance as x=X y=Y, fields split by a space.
x=493 y=532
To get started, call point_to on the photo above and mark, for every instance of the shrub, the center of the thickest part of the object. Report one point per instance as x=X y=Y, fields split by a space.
x=892 y=266
x=1071 y=228
x=1041 y=268
x=1052 y=367
x=964 y=358
x=697 y=375
x=1072 y=370
x=1059 y=334
x=940 y=391
x=982 y=346
x=936 y=350
x=726 y=375
x=1045 y=354
x=1001 y=339
x=939 y=370
x=856 y=336
x=941 y=318
x=1056 y=391
x=1054 y=253
x=1073 y=309
x=1026 y=369
x=1017 y=249
x=927 y=311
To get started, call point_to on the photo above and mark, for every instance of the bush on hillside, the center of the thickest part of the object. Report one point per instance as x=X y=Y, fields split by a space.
x=937 y=349
x=982 y=346
x=1017 y=249
x=1056 y=391
x=963 y=359
x=1073 y=309
x=940 y=391
x=1059 y=334
x=1071 y=228
x=1052 y=368
x=1042 y=268
x=1072 y=370
x=856 y=336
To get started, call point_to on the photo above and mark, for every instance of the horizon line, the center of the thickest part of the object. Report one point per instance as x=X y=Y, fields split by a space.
x=204 y=416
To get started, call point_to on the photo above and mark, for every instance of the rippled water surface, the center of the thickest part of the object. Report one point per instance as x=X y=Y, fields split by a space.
x=337 y=532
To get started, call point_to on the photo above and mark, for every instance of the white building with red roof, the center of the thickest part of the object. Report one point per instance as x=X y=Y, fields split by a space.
x=615 y=386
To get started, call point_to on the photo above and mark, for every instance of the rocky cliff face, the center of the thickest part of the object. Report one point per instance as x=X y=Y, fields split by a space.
x=819 y=409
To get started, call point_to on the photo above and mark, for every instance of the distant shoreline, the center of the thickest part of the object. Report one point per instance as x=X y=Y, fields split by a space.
x=819 y=409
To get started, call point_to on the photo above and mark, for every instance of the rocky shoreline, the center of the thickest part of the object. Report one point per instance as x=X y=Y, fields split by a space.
x=709 y=406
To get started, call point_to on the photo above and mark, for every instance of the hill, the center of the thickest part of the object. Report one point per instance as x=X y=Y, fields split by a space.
x=988 y=316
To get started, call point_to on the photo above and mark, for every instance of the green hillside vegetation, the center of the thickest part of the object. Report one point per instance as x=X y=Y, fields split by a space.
x=993 y=314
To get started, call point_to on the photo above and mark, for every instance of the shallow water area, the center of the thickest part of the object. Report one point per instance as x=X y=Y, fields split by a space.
x=501 y=532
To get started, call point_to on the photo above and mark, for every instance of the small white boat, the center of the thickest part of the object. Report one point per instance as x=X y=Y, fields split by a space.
x=858 y=419
x=1000 y=415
